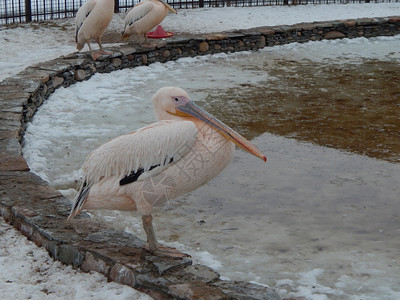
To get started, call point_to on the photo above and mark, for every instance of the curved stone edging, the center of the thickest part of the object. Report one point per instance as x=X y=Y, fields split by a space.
x=39 y=211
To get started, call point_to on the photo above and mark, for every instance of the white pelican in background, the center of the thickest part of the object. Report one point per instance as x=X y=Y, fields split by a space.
x=92 y=19
x=183 y=150
x=143 y=17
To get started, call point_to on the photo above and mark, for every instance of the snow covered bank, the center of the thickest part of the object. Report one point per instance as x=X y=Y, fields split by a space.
x=32 y=43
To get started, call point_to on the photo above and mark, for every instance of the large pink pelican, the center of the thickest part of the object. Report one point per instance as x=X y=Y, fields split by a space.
x=182 y=151
x=92 y=19
x=143 y=17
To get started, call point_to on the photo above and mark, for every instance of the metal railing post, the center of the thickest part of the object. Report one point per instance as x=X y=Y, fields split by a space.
x=116 y=6
x=28 y=11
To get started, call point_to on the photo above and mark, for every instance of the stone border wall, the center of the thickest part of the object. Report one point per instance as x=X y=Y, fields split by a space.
x=39 y=211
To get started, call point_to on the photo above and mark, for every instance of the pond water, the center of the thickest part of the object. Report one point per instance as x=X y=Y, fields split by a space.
x=320 y=219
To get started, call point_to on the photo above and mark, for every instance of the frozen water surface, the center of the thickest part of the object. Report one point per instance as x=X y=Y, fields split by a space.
x=315 y=221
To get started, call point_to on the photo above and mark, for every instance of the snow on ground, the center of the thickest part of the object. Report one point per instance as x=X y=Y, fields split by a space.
x=220 y=19
x=36 y=43
x=26 y=270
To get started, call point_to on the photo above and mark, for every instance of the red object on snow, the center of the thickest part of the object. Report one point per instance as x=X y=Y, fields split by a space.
x=159 y=33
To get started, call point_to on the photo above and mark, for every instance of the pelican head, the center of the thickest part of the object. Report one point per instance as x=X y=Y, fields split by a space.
x=173 y=103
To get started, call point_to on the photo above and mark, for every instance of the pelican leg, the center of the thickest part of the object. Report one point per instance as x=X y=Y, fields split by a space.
x=151 y=240
x=90 y=47
x=96 y=55
x=141 y=38
x=148 y=228
x=101 y=47
x=146 y=42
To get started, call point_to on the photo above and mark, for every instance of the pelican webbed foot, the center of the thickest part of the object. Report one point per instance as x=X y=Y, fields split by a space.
x=152 y=245
x=170 y=252
x=96 y=55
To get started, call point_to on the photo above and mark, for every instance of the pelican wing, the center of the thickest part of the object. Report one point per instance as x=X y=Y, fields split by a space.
x=137 y=12
x=136 y=156
x=83 y=12
x=140 y=154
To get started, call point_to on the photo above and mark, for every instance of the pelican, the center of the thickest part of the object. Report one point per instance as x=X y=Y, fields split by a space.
x=182 y=151
x=92 y=19
x=144 y=16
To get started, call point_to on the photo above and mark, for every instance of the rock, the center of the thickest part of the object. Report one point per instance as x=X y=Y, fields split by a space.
x=394 y=20
x=80 y=75
x=262 y=43
x=25 y=211
x=90 y=263
x=216 y=37
x=266 y=31
x=203 y=47
x=334 y=35
x=246 y=290
x=195 y=290
x=166 y=264
x=202 y=273
x=42 y=75
x=166 y=53
x=70 y=255
x=57 y=81
x=122 y=274
x=116 y=62
x=115 y=237
x=151 y=281
x=349 y=23
x=144 y=59
x=12 y=163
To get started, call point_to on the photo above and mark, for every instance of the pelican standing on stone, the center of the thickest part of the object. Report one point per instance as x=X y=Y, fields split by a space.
x=92 y=19
x=182 y=151
x=143 y=17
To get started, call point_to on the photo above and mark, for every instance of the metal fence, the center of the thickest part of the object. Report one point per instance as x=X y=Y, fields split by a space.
x=20 y=11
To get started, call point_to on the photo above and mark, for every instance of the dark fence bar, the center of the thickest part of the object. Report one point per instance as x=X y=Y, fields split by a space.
x=116 y=6
x=20 y=11
x=28 y=10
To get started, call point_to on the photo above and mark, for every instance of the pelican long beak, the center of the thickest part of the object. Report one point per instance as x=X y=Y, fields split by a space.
x=191 y=109
x=168 y=6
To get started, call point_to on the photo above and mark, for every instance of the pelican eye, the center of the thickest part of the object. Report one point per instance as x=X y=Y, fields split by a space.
x=176 y=99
